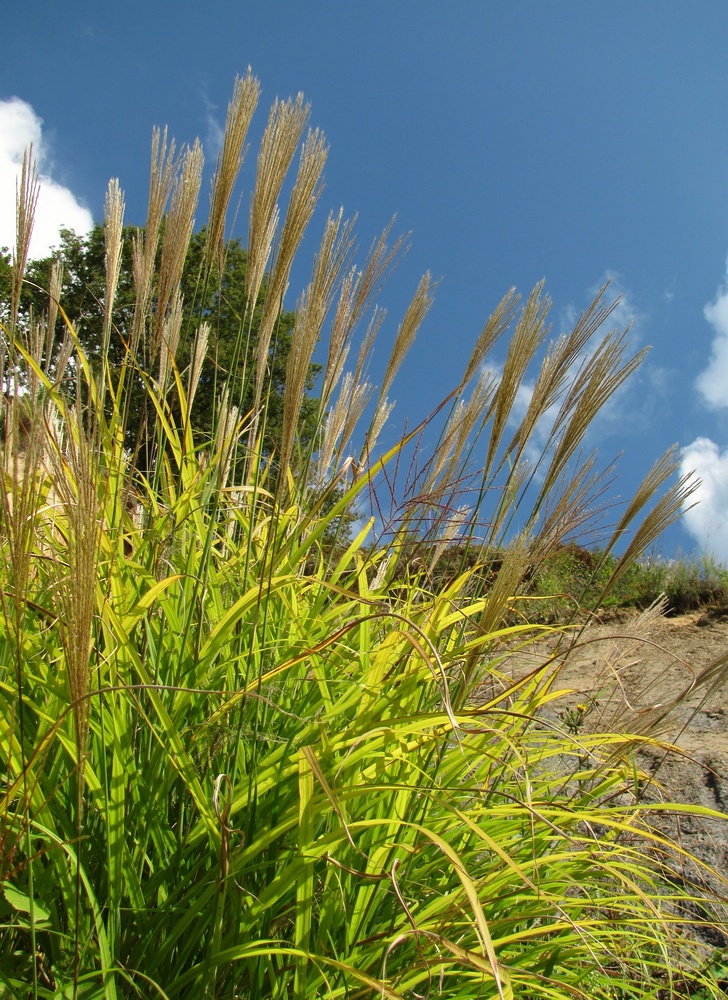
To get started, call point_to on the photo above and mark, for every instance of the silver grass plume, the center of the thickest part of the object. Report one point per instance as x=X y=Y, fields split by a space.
x=498 y=322
x=334 y=427
x=360 y=395
x=454 y=523
x=449 y=459
x=381 y=416
x=311 y=313
x=339 y=338
x=666 y=511
x=198 y=358
x=178 y=230
x=379 y=264
x=557 y=368
x=54 y=297
x=413 y=317
x=26 y=202
x=528 y=336
x=113 y=228
x=286 y=122
x=598 y=379
x=304 y=197
x=240 y=112
x=226 y=437
x=163 y=171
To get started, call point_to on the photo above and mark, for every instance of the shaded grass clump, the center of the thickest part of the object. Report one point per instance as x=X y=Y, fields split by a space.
x=241 y=750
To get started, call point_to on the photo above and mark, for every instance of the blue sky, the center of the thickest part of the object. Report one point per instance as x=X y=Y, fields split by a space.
x=568 y=140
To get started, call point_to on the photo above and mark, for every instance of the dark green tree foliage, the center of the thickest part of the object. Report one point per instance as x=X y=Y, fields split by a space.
x=220 y=300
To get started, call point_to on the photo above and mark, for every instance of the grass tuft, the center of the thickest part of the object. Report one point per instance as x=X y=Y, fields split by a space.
x=251 y=750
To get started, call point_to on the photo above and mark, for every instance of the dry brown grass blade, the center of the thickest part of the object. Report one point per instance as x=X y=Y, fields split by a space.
x=241 y=109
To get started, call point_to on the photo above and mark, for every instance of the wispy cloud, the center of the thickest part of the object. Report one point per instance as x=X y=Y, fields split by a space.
x=58 y=207
x=215 y=128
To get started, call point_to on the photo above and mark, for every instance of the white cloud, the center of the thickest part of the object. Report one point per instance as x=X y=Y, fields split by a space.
x=712 y=383
x=707 y=522
x=58 y=207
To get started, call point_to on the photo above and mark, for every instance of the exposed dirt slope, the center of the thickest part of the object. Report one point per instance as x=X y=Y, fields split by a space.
x=669 y=677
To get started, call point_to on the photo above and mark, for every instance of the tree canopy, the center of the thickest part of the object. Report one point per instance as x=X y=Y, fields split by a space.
x=220 y=300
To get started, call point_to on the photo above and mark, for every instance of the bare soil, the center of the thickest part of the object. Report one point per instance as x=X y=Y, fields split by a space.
x=665 y=677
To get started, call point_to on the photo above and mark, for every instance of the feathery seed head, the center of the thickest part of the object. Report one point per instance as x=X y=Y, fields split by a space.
x=113 y=227
x=498 y=323
x=164 y=168
x=240 y=112
x=178 y=230
x=286 y=122
x=26 y=202
x=198 y=357
x=416 y=312
x=381 y=416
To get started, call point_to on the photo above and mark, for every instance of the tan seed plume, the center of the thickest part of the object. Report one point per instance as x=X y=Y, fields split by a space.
x=668 y=508
x=415 y=314
x=304 y=197
x=498 y=323
x=241 y=108
x=528 y=336
x=598 y=380
x=286 y=122
x=75 y=463
x=113 y=226
x=178 y=229
x=164 y=167
x=198 y=358
x=313 y=308
x=27 y=191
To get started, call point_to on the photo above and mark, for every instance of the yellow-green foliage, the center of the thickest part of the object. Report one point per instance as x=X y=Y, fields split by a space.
x=243 y=757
